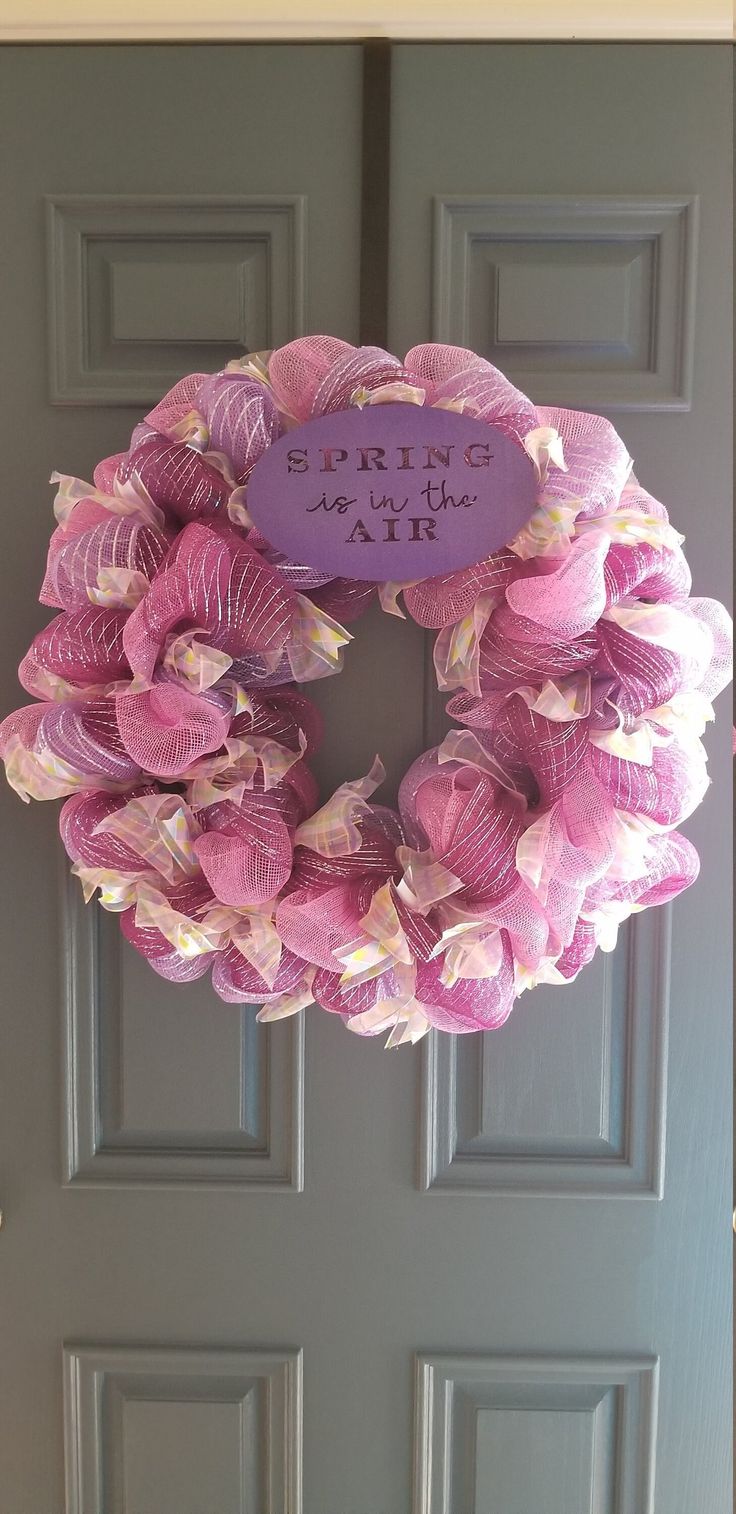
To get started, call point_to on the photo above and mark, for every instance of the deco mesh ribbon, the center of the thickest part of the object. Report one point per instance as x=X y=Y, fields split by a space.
x=580 y=671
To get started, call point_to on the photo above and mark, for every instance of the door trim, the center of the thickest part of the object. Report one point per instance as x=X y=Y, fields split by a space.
x=345 y=20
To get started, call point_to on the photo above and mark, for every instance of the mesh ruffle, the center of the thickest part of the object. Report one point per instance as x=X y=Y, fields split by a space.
x=212 y=582
x=167 y=729
x=441 y=601
x=175 y=477
x=597 y=462
x=241 y=417
x=82 y=646
x=79 y=564
x=237 y=981
x=454 y=374
x=246 y=849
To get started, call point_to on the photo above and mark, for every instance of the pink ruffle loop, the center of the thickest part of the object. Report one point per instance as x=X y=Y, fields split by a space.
x=237 y=981
x=83 y=646
x=191 y=899
x=459 y=378
x=51 y=750
x=214 y=582
x=283 y=714
x=175 y=477
x=442 y=601
x=666 y=792
x=354 y=376
x=596 y=459
x=112 y=564
x=246 y=849
x=167 y=728
x=470 y=1004
x=176 y=405
x=241 y=417
x=472 y=827
x=328 y=896
x=569 y=600
x=106 y=472
x=78 y=825
x=296 y=371
x=514 y=651
x=343 y=599
x=654 y=651
x=541 y=756
x=647 y=571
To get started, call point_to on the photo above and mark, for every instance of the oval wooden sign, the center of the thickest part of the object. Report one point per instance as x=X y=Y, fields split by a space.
x=394 y=491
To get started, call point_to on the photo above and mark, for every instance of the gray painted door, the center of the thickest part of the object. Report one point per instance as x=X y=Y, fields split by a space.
x=499 y=1266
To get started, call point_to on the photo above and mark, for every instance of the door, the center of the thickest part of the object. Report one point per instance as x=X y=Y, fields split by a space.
x=276 y=1269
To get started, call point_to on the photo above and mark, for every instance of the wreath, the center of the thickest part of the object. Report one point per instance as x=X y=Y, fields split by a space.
x=169 y=715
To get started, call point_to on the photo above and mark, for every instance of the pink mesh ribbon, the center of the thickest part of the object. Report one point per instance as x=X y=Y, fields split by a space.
x=579 y=667
x=241 y=417
x=214 y=581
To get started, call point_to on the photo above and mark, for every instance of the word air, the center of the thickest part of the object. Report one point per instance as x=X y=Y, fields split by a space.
x=416 y=528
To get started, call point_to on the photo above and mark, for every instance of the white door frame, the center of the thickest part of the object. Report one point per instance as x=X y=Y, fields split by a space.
x=289 y=20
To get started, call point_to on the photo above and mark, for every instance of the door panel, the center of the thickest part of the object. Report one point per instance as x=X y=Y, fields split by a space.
x=201 y=1209
x=568 y=1102
x=145 y=287
x=538 y=220
x=178 y=1431
x=588 y=300
x=589 y=1424
x=186 y=203
x=159 y=1086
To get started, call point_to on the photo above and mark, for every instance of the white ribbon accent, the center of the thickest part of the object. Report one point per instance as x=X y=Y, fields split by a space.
x=544 y=446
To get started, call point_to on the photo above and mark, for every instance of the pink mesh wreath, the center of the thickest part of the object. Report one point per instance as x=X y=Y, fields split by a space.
x=167 y=714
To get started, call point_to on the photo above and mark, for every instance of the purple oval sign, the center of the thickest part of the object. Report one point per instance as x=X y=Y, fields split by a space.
x=395 y=491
